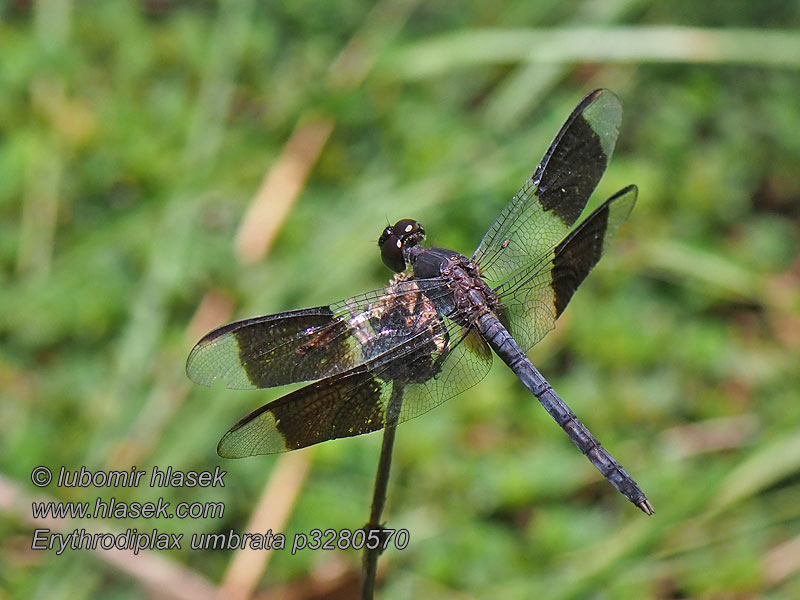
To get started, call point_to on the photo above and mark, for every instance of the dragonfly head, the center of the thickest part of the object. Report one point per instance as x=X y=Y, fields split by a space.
x=395 y=241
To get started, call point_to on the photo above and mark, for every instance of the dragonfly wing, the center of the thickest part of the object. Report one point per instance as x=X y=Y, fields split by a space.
x=549 y=203
x=427 y=369
x=308 y=344
x=535 y=296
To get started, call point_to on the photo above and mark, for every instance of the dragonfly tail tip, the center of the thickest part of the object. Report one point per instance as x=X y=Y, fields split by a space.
x=646 y=507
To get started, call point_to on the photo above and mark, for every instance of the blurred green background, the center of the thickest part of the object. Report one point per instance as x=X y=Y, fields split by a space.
x=167 y=166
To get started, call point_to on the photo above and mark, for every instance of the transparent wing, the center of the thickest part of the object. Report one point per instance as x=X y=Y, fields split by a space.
x=536 y=295
x=313 y=343
x=441 y=361
x=549 y=203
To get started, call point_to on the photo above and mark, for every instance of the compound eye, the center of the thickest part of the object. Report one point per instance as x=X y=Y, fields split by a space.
x=392 y=253
x=403 y=234
x=410 y=231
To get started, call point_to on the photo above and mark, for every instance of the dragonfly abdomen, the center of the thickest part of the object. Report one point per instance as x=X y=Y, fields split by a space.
x=507 y=349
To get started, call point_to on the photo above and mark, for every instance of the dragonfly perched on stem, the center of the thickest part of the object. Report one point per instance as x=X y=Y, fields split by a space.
x=391 y=354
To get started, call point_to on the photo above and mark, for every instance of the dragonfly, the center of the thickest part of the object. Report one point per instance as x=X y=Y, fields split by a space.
x=386 y=356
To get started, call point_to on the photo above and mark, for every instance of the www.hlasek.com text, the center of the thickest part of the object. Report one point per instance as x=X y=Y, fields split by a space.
x=116 y=509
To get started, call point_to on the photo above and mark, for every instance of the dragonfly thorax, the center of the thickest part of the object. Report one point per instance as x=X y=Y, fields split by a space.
x=473 y=297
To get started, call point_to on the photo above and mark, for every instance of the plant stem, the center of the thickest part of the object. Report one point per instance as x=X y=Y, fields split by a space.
x=370 y=567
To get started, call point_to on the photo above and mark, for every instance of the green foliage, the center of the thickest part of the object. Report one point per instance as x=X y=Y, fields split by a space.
x=133 y=137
